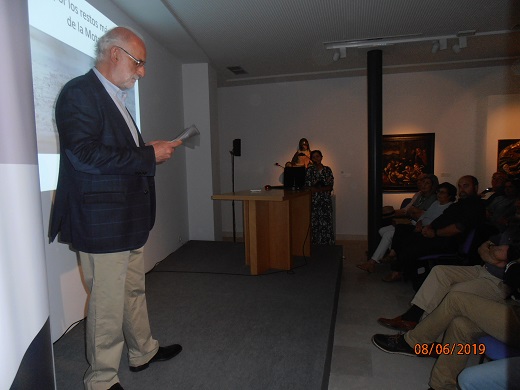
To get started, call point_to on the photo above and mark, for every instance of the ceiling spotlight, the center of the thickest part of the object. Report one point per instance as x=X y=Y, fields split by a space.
x=463 y=43
x=440 y=44
x=463 y=40
x=341 y=53
x=435 y=47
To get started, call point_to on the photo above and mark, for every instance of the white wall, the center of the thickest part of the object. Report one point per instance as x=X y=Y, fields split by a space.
x=332 y=114
x=161 y=118
x=198 y=102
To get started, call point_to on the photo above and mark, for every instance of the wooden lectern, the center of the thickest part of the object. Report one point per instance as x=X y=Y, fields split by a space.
x=276 y=226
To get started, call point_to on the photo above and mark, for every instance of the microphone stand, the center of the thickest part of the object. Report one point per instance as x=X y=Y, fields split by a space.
x=233 y=190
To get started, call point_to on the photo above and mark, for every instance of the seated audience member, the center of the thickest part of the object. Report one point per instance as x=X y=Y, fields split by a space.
x=302 y=157
x=446 y=194
x=485 y=280
x=421 y=201
x=460 y=318
x=320 y=180
x=445 y=232
x=502 y=207
x=497 y=187
x=500 y=374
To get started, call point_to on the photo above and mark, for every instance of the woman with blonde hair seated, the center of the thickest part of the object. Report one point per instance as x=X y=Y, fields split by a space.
x=302 y=157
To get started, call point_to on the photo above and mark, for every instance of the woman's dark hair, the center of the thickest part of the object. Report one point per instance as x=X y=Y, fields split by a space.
x=301 y=142
x=452 y=190
x=434 y=180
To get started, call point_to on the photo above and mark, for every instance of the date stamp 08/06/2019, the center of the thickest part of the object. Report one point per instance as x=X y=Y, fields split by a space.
x=450 y=349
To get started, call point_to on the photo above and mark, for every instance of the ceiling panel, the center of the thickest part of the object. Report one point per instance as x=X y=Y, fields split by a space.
x=277 y=40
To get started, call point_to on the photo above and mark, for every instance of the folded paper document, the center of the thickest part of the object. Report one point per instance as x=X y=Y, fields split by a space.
x=189 y=137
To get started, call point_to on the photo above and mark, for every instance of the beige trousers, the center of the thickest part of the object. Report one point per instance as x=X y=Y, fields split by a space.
x=117 y=312
x=462 y=317
x=445 y=278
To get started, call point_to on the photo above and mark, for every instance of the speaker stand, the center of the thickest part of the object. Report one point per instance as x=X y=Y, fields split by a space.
x=233 y=190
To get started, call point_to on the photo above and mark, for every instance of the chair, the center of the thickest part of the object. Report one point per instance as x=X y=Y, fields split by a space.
x=405 y=202
x=460 y=257
x=496 y=349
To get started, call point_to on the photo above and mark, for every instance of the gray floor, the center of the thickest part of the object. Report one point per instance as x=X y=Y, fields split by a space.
x=356 y=362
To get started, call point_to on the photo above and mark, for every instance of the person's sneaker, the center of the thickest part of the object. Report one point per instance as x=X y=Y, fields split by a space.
x=397 y=344
x=393 y=344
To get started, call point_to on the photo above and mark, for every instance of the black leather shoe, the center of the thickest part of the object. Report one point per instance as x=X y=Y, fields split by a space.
x=397 y=344
x=116 y=386
x=163 y=354
x=393 y=344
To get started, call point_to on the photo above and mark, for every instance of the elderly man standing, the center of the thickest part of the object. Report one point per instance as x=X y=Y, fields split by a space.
x=105 y=205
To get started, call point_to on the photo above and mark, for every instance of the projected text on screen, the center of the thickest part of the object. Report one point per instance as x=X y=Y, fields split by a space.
x=63 y=38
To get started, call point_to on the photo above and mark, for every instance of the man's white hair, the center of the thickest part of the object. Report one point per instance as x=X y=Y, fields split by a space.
x=114 y=37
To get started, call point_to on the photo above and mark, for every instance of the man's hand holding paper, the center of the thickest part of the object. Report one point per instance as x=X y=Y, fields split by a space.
x=163 y=149
x=188 y=136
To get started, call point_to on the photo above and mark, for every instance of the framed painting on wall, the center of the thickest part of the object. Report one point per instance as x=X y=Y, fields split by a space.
x=508 y=160
x=405 y=157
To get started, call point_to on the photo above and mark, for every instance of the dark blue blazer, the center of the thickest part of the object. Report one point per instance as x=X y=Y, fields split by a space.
x=105 y=199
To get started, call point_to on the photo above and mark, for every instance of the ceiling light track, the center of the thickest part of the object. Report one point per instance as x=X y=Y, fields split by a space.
x=438 y=42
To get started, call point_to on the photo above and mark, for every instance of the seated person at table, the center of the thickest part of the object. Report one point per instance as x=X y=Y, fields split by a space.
x=445 y=233
x=485 y=280
x=302 y=157
x=446 y=194
x=320 y=180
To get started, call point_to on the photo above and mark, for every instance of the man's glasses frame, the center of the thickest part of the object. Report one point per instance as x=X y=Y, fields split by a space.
x=138 y=63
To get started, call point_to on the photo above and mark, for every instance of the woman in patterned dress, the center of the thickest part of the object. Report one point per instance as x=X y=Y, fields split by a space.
x=320 y=180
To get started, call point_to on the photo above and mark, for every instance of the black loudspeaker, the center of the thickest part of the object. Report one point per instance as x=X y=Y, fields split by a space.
x=236 y=147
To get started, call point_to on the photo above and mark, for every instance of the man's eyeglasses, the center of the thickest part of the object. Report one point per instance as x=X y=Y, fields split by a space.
x=138 y=63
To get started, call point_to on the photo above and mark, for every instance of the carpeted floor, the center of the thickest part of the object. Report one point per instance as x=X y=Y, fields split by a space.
x=272 y=331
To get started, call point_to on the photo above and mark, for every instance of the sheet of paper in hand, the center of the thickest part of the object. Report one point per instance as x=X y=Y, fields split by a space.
x=189 y=137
